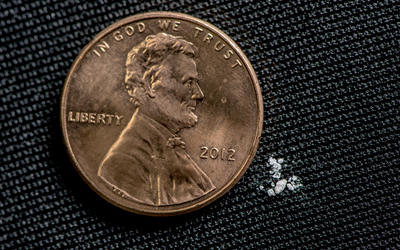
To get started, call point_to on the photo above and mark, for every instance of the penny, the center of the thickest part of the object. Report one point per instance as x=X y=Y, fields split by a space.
x=161 y=113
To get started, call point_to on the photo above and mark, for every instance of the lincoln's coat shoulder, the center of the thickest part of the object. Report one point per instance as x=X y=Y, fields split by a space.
x=143 y=166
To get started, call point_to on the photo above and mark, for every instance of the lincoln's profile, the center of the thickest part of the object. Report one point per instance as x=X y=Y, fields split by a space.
x=148 y=162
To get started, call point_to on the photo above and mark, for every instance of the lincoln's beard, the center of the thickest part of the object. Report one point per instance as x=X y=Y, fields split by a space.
x=179 y=115
x=188 y=117
x=172 y=113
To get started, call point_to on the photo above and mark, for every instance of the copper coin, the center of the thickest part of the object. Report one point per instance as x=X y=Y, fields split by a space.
x=161 y=113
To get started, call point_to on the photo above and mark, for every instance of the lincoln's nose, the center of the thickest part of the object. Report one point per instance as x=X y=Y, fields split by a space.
x=197 y=93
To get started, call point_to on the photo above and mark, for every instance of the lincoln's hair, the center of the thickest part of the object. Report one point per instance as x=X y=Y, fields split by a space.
x=143 y=63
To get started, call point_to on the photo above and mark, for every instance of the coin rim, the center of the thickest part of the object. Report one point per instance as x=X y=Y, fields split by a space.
x=192 y=205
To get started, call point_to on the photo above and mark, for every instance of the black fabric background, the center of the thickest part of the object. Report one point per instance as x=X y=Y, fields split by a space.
x=330 y=83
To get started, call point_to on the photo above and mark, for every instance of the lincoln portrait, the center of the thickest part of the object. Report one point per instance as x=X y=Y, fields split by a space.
x=148 y=162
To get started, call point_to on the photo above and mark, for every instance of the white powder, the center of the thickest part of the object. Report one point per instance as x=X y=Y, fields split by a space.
x=271 y=192
x=279 y=184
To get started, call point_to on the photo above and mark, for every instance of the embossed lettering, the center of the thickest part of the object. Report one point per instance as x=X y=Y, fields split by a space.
x=207 y=38
x=70 y=117
x=231 y=154
x=128 y=30
x=110 y=118
x=84 y=117
x=197 y=31
x=164 y=24
x=228 y=54
x=176 y=25
x=103 y=46
x=118 y=191
x=100 y=117
x=119 y=117
x=237 y=63
x=94 y=118
x=141 y=27
x=219 y=46
x=203 y=153
x=214 y=153
x=117 y=35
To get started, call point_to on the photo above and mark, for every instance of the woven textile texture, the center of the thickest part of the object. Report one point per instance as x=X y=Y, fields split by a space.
x=329 y=73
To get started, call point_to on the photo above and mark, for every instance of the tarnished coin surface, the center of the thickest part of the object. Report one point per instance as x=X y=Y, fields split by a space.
x=161 y=113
